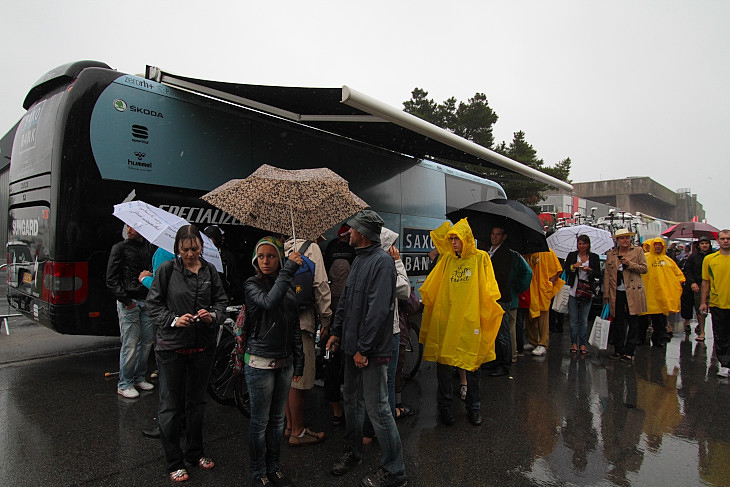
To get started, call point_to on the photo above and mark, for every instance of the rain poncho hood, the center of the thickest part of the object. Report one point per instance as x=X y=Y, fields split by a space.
x=461 y=316
x=662 y=281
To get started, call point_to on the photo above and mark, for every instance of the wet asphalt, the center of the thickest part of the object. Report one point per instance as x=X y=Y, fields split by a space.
x=556 y=420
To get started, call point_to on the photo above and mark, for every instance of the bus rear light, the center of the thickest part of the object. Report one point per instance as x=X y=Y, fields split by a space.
x=65 y=282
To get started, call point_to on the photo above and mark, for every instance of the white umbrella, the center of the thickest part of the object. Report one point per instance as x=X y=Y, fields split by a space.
x=564 y=241
x=159 y=228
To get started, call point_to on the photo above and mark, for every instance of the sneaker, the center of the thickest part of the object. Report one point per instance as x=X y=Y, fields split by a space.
x=258 y=481
x=474 y=417
x=527 y=347
x=446 y=417
x=153 y=375
x=130 y=393
x=382 y=478
x=347 y=461
x=723 y=372
x=539 y=350
x=279 y=479
x=144 y=385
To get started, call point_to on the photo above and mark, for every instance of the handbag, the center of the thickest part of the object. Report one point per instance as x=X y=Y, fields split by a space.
x=560 y=301
x=599 y=332
x=584 y=291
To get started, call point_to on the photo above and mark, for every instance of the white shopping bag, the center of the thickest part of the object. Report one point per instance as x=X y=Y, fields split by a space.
x=599 y=332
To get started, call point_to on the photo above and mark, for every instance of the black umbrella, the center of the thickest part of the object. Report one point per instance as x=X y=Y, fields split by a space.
x=524 y=228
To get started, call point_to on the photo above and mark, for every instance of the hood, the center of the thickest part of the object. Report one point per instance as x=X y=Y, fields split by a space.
x=651 y=243
x=462 y=230
x=387 y=238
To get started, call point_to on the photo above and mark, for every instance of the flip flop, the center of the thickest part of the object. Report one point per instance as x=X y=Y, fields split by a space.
x=403 y=412
x=573 y=349
x=584 y=351
x=308 y=438
x=180 y=475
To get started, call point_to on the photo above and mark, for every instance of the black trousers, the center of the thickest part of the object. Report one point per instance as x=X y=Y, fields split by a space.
x=721 y=331
x=624 y=327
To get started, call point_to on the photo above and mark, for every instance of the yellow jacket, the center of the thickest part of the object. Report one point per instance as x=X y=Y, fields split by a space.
x=544 y=265
x=662 y=281
x=461 y=316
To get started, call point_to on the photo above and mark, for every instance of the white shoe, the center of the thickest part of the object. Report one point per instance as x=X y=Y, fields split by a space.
x=539 y=350
x=527 y=347
x=130 y=393
x=153 y=375
x=144 y=385
x=723 y=372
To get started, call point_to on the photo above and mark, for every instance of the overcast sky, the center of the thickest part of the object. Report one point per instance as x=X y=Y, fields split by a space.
x=623 y=88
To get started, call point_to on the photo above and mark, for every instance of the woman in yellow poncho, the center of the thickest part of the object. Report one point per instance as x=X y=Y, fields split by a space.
x=461 y=316
x=663 y=287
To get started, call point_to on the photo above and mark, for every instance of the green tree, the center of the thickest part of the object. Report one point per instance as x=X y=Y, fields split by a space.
x=474 y=121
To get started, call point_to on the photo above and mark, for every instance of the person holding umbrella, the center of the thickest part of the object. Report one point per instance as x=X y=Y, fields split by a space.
x=274 y=355
x=623 y=289
x=580 y=265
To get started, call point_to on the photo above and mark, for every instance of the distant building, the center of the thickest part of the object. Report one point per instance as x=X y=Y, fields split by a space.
x=633 y=195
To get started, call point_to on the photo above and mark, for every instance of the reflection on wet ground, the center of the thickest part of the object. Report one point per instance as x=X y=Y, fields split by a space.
x=560 y=419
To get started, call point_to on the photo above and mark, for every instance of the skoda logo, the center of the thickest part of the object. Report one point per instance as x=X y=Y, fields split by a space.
x=120 y=105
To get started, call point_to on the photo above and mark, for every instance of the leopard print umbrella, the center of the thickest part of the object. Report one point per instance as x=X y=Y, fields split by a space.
x=304 y=202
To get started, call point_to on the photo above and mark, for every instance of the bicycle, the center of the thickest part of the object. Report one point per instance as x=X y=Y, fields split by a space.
x=414 y=352
x=226 y=385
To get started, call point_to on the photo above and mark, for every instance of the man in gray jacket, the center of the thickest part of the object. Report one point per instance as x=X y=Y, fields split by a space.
x=363 y=326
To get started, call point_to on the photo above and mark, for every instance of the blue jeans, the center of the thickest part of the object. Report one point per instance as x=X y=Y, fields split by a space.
x=367 y=427
x=268 y=390
x=183 y=381
x=578 y=320
x=136 y=334
x=366 y=389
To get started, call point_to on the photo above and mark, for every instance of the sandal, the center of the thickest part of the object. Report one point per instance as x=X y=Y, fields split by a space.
x=462 y=392
x=403 y=411
x=700 y=339
x=180 y=475
x=574 y=348
x=336 y=420
x=309 y=437
x=583 y=350
x=206 y=463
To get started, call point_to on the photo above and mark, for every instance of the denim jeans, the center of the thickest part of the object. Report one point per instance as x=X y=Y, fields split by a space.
x=445 y=390
x=367 y=389
x=268 y=390
x=367 y=427
x=578 y=320
x=183 y=382
x=136 y=334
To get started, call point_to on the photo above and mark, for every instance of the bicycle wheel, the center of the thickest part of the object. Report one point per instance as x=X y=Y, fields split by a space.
x=414 y=353
x=240 y=393
x=221 y=385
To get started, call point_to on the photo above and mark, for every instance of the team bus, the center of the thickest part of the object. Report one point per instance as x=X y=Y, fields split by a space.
x=93 y=137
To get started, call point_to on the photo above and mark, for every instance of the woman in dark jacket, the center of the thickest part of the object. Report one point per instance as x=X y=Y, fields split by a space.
x=273 y=355
x=580 y=265
x=186 y=304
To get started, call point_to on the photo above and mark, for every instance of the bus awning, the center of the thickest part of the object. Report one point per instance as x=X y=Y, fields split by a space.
x=349 y=113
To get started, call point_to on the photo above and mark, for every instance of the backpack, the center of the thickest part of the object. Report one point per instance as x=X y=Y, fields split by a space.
x=303 y=281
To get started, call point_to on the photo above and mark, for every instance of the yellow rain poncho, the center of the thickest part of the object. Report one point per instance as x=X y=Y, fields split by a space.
x=461 y=316
x=662 y=281
x=544 y=265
